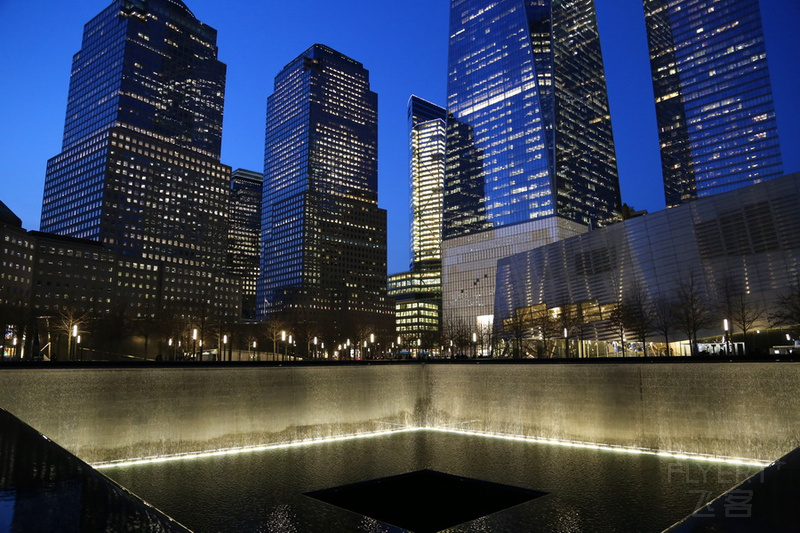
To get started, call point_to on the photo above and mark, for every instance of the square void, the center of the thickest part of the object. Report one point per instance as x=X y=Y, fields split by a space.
x=425 y=501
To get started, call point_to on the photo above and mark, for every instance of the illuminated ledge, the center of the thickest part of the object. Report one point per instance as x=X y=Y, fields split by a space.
x=519 y=438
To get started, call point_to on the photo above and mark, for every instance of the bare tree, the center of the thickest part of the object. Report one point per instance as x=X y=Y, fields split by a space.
x=616 y=321
x=546 y=327
x=69 y=323
x=457 y=332
x=693 y=313
x=174 y=329
x=430 y=340
x=577 y=320
x=362 y=335
x=736 y=306
x=664 y=319
x=485 y=336
x=786 y=309
x=518 y=328
x=274 y=328
x=746 y=313
x=637 y=313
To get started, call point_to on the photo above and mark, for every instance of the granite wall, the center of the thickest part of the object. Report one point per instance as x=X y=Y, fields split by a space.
x=105 y=414
x=749 y=410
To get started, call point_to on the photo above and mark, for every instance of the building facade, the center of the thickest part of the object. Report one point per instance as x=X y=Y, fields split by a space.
x=529 y=138
x=740 y=247
x=16 y=281
x=139 y=171
x=323 y=255
x=716 y=120
x=418 y=292
x=418 y=310
x=244 y=233
x=427 y=126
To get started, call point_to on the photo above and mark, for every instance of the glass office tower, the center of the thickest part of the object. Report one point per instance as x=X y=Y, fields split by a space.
x=529 y=138
x=244 y=234
x=530 y=134
x=418 y=292
x=716 y=119
x=323 y=258
x=427 y=124
x=139 y=169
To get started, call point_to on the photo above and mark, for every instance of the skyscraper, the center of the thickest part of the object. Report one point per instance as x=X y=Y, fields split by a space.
x=418 y=292
x=139 y=170
x=530 y=152
x=427 y=124
x=244 y=234
x=713 y=97
x=323 y=257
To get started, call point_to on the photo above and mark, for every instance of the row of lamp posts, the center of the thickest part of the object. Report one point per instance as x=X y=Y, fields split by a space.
x=74 y=341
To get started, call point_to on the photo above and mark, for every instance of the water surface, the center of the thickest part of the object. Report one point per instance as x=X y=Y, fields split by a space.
x=588 y=490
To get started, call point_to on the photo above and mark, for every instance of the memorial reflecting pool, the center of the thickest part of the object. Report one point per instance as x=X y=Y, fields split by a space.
x=709 y=409
x=586 y=489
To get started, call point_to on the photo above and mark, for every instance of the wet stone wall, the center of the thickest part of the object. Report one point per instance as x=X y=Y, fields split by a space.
x=749 y=410
x=108 y=414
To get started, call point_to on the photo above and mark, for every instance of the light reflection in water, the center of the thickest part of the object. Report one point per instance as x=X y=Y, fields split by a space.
x=521 y=438
x=590 y=488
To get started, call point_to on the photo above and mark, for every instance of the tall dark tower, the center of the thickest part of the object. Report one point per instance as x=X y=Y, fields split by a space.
x=530 y=151
x=139 y=169
x=244 y=234
x=323 y=257
x=713 y=96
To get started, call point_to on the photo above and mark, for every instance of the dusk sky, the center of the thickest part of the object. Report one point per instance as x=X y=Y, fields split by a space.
x=402 y=44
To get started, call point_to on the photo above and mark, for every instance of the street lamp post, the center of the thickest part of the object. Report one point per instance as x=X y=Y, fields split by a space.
x=474 y=344
x=566 y=343
x=71 y=342
x=727 y=337
x=75 y=343
x=194 y=342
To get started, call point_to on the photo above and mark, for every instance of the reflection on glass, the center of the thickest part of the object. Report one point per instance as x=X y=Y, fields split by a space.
x=45 y=488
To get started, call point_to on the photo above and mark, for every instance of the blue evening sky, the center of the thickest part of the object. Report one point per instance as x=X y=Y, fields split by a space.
x=402 y=44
